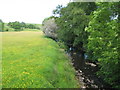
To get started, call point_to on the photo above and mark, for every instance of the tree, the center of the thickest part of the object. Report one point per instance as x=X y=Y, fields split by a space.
x=16 y=25
x=71 y=22
x=31 y=26
x=104 y=41
x=23 y=25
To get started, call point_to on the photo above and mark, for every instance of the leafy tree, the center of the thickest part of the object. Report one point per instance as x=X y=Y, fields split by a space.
x=71 y=22
x=23 y=25
x=104 y=41
x=57 y=11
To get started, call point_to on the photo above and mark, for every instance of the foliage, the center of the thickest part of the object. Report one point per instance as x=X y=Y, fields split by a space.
x=32 y=61
x=30 y=26
x=97 y=33
x=50 y=28
x=8 y=28
x=57 y=11
x=104 y=41
x=19 y=26
x=1 y=25
x=71 y=22
x=16 y=25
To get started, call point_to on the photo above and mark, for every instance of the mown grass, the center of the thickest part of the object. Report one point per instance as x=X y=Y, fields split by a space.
x=29 y=60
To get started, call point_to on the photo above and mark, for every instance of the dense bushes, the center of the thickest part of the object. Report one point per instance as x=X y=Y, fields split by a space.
x=93 y=28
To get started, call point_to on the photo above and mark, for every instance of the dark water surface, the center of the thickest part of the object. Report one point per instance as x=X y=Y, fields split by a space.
x=86 y=73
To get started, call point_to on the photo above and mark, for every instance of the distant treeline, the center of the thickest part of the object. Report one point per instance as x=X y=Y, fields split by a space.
x=17 y=26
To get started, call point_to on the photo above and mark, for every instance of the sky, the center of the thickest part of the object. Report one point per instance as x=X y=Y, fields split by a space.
x=28 y=11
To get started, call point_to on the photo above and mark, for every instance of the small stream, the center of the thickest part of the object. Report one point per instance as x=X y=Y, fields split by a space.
x=86 y=73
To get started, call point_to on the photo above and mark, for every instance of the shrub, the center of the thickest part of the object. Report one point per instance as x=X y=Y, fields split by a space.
x=49 y=28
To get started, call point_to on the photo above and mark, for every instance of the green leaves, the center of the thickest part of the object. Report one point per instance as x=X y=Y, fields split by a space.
x=72 y=23
x=102 y=41
x=19 y=26
x=96 y=32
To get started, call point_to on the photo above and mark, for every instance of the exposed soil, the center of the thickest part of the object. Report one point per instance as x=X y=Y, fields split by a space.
x=86 y=73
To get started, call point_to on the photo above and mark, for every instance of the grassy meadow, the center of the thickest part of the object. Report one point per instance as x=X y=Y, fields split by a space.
x=29 y=60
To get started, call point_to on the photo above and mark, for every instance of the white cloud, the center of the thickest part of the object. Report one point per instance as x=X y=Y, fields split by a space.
x=32 y=11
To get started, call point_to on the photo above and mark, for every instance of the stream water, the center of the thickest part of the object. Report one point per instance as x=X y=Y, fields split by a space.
x=86 y=73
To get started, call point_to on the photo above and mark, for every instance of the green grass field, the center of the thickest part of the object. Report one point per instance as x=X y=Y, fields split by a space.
x=29 y=60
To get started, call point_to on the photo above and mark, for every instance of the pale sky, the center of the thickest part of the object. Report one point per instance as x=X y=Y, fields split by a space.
x=29 y=11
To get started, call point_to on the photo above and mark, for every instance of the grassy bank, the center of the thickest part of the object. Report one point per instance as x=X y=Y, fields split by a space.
x=32 y=61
